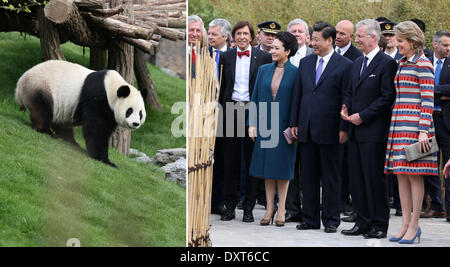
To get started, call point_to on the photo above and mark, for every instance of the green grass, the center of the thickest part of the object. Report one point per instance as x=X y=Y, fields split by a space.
x=51 y=192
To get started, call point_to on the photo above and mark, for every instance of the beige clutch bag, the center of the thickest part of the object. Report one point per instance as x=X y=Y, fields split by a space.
x=412 y=152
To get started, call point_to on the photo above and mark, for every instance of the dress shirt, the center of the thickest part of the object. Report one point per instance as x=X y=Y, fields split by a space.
x=325 y=61
x=370 y=56
x=392 y=55
x=301 y=53
x=241 y=90
x=343 y=49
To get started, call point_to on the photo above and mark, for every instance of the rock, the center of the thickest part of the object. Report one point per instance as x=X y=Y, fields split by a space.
x=176 y=172
x=166 y=156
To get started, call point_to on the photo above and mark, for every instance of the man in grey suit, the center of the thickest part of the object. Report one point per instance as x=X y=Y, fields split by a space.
x=299 y=28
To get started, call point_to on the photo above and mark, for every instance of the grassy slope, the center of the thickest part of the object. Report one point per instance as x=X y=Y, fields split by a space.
x=50 y=192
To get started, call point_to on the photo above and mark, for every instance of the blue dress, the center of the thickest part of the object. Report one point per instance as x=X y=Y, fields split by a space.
x=272 y=157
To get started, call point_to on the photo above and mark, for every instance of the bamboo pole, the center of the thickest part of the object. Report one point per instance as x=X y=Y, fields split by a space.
x=203 y=114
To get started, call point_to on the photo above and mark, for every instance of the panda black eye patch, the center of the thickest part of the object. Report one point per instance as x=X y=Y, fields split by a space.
x=140 y=115
x=129 y=112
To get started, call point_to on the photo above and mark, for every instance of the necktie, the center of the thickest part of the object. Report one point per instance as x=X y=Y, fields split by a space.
x=437 y=72
x=338 y=51
x=364 y=66
x=217 y=62
x=245 y=53
x=193 y=55
x=319 y=70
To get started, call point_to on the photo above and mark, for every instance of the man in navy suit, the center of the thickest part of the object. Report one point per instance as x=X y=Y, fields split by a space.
x=344 y=36
x=315 y=121
x=367 y=107
x=344 y=47
x=240 y=67
x=441 y=118
x=219 y=32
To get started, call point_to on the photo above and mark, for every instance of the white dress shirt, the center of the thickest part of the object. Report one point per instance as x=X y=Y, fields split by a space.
x=343 y=49
x=325 y=60
x=241 y=90
x=301 y=53
x=370 y=56
x=392 y=55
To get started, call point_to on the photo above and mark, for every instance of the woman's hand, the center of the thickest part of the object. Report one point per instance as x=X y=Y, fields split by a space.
x=424 y=145
x=447 y=169
x=252 y=132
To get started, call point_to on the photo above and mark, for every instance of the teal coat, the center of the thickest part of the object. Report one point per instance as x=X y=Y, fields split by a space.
x=277 y=162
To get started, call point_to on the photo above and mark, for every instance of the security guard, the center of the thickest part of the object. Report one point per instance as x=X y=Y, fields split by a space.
x=387 y=29
x=266 y=34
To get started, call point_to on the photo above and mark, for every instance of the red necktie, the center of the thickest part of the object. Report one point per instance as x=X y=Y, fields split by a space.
x=193 y=55
x=245 y=53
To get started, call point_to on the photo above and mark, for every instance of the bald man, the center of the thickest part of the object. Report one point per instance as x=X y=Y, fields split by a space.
x=344 y=35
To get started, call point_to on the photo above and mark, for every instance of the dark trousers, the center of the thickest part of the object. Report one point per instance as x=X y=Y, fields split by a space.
x=433 y=183
x=234 y=148
x=321 y=161
x=217 y=185
x=293 y=198
x=368 y=184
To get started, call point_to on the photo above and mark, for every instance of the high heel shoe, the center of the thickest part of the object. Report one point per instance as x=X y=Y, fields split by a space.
x=279 y=223
x=411 y=241
x=395 y=239
x=265 y=221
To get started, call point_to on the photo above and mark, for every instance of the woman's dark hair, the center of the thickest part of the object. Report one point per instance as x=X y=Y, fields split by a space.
x=327 y=30
x=242 y=24
x=289 y=42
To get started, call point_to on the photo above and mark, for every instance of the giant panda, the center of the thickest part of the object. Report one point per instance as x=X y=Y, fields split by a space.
x=61 y=95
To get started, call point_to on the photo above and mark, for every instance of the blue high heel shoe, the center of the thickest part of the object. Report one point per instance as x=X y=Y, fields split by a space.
x=395 y=239
x=406 y=241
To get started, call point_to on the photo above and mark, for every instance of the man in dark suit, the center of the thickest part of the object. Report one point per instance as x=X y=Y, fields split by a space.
x=369 y=99
x=344 y=36
x=219 y=32
x=315 y=121
x=441 y=118
x=240 y=67
x=344 y=47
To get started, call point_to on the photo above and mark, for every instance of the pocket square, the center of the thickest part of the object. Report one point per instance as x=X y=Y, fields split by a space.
x=372 y=75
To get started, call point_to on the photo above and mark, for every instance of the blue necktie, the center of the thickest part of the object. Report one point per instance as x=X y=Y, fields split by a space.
x=217 y=63
x=437 y=72
x=364 y=66
x=319 y=70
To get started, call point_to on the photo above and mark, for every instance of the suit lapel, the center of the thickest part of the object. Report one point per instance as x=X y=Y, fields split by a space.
x=253 y=62
x=370 y=68
x=233 y=64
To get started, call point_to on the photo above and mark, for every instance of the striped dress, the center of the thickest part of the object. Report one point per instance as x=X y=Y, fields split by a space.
x=412 y=114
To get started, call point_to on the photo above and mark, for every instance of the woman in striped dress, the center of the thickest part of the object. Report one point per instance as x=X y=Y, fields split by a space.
x=411 y=122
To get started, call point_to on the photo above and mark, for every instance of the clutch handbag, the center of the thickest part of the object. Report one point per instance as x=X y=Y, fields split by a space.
x=288 y=135
x=412 y=152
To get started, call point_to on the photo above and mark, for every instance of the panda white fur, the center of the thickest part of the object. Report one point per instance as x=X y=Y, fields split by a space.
x=61 y=95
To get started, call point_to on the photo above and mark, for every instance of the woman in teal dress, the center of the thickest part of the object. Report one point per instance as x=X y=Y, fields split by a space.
x=273 y=159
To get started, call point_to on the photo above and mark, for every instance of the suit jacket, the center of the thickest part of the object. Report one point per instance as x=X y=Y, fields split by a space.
x=372 y=96
x=316 y=108
x=277 y=162
x=352 y=53
x=228 y=62
x=210 y=49
x=443 y=89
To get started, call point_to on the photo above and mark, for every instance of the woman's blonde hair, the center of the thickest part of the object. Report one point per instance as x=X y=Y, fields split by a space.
x=412 y=33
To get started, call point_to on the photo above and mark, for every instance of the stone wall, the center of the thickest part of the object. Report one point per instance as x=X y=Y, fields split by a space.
x=172 y=56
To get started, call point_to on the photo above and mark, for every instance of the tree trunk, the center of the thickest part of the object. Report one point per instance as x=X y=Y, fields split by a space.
x=49 y=36
x=98 y=59
x=144 y=79
x=120 y=58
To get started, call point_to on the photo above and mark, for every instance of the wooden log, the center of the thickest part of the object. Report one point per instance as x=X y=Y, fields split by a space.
x=146 y=46
x=58 y=11
x=98 y=59
x=108 y=12
x=90 y=4
x=49 y=38
x=117 y=27
x=144 y=80
x=171 y=34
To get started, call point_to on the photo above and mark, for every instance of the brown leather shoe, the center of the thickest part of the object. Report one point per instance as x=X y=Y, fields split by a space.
x=432 y=214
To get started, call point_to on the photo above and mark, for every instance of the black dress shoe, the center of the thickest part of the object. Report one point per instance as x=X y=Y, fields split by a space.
x=291 y=218
x=351 y=218
x=248 y=217
x=304 y=226
x=375 y=234
x=228 y=215
x=220 y=209
x=398 y=212
x=356 y=230
x=330 y=229
x=349 y=213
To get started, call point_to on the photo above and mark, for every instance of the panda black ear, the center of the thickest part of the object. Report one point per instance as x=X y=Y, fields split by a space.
x=123 y=91
x=144 y=93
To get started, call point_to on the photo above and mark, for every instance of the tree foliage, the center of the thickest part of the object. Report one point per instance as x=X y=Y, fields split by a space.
x=435 y=13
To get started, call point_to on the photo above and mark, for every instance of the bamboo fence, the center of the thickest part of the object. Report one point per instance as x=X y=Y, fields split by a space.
x=203 y=115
